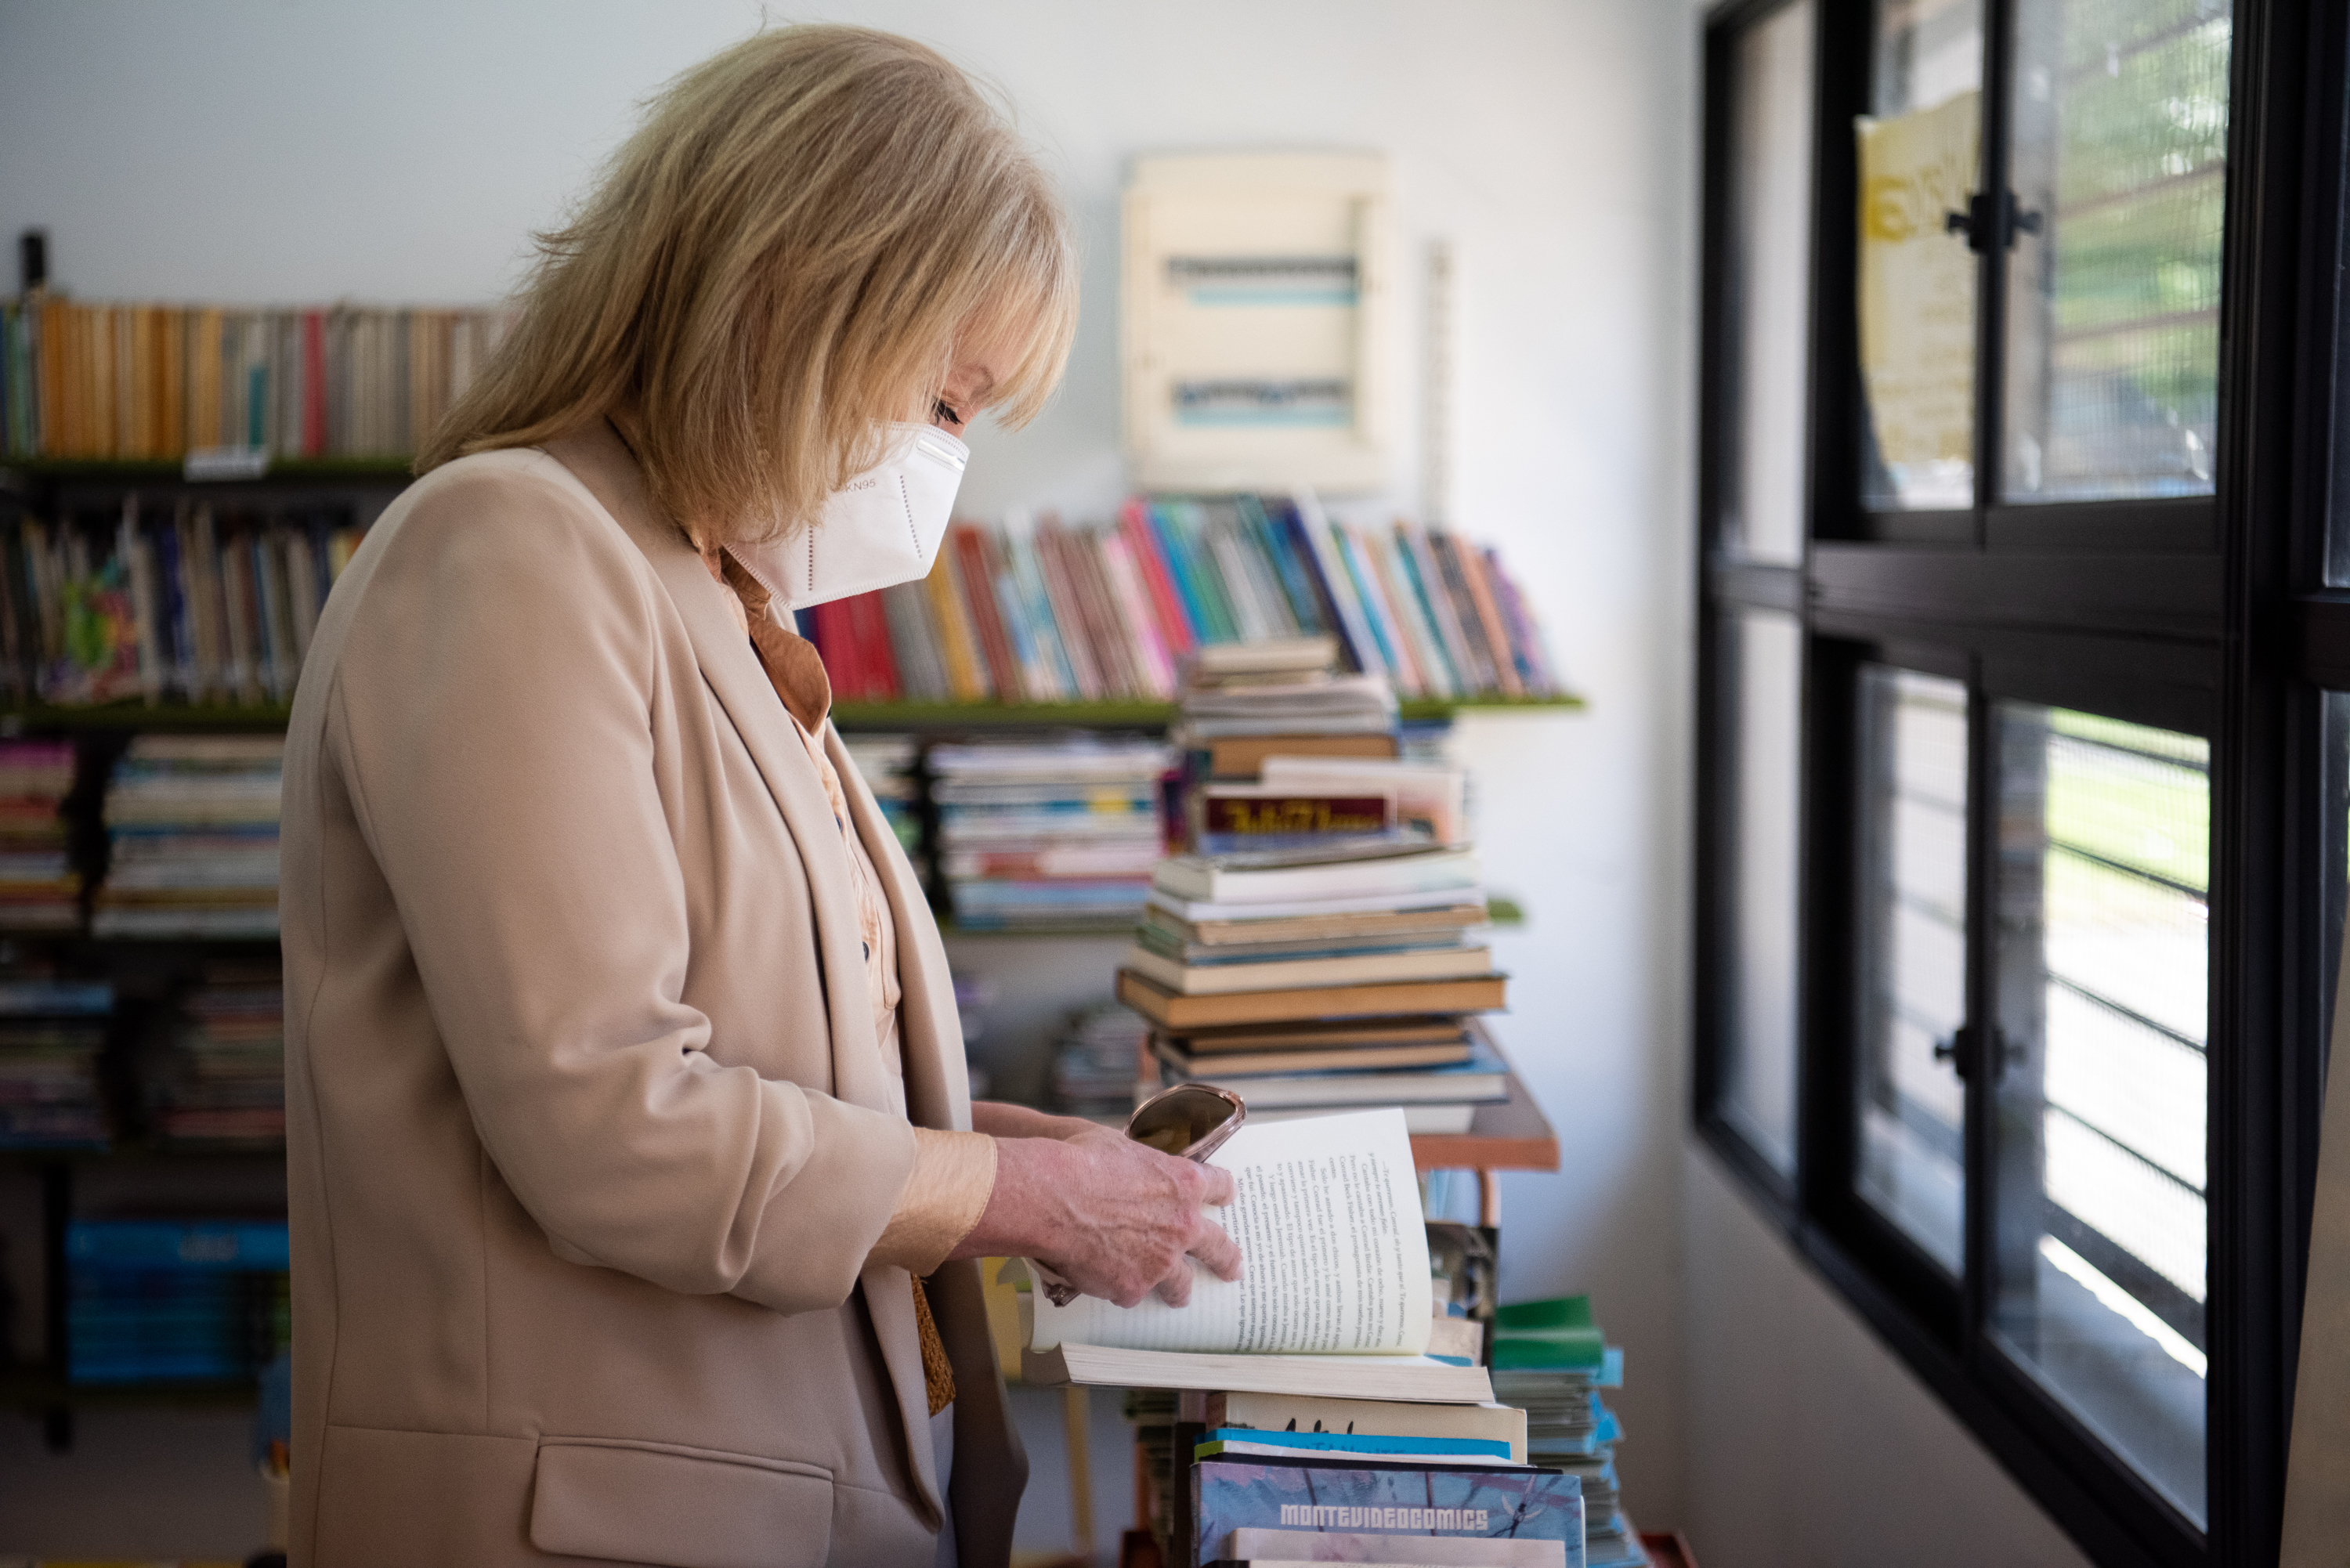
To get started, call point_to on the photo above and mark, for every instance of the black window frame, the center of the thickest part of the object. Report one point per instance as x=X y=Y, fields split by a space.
x=2206 y=615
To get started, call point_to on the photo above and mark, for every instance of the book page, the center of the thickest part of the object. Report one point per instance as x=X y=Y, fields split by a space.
x=1334 y=1252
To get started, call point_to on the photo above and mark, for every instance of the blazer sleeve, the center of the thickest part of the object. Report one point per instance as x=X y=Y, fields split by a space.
x=492 y=718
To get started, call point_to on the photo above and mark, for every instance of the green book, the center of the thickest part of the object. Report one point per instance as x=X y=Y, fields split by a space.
x=1558 y=1333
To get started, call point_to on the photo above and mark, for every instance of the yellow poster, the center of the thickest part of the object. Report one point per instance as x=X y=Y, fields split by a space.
x=1917 y=297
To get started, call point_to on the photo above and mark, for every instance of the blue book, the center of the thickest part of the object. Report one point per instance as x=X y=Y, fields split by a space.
x=1364 y=1445
x=1036 y=608
x=20 y=998
x=1337 y=614
x=242 y=1246
x=1296 y=586
x=1332 y=1495
x=1173 y=548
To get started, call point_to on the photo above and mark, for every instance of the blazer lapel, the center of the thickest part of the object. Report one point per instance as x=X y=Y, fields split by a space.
x=732 y=670
x=929 y=1027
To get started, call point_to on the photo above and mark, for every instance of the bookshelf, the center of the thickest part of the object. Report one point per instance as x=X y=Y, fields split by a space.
x=55 y=1187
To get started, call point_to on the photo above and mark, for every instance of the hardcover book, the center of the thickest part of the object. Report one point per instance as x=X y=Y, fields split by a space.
x=1441 y=1502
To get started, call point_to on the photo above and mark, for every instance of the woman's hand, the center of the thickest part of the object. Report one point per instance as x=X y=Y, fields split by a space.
x=1114 y=1218
x=999 y=1119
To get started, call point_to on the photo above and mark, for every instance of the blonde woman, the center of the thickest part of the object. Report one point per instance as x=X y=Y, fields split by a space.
x=634 y=1175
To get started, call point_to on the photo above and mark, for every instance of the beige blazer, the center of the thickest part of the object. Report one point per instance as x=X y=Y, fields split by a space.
x=588 y=1133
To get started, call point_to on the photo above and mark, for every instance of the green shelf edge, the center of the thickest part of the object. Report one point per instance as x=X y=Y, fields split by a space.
x=34 y=1392
x=111 y=470
x=1504 y=912
x=848 y=715
x=142 y=716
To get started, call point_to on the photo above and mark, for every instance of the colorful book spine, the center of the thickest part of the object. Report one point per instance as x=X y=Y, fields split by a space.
x=1176 y=625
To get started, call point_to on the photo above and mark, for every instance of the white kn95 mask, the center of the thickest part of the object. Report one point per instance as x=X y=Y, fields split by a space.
x=881 y=528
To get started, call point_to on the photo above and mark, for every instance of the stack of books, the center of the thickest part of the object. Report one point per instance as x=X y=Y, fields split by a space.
x=39 y=890
x=888 y=764
x=1316 y=948
x=224 y=1079
x=173 y=1301
x=192 y=825
x=1245 y=701
x=1550 y=1359
x=52 y=1043
x=1058 y=832
x=1095 y=1072
x=1315 y=1415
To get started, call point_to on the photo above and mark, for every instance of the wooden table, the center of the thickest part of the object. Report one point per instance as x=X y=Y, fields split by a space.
x=1508 y=1135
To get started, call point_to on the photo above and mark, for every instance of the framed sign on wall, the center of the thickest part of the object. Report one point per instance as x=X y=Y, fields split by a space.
x=1256 y=321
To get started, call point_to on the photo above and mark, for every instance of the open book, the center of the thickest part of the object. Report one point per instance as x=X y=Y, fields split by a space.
x=1333 y=1253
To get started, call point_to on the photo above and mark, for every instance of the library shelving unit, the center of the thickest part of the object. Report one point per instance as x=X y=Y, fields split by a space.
x=138 y=1177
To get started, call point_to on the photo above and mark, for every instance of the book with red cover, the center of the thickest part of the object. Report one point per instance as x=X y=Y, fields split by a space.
x=878 y=664
x=1174 y=620
x=979 y=604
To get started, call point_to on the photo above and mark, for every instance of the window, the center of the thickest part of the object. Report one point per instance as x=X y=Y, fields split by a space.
x=1912 y=936
x=2103 y=1093
x=2022 y=777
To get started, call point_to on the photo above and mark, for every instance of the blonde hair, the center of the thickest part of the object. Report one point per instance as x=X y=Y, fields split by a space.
x=783 y=259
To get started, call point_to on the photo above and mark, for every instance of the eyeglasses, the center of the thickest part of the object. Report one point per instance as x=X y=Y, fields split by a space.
x=1191 y=1121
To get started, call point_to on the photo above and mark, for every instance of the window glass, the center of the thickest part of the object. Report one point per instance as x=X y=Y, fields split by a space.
x=1765 y=684
x=1920 y=156
x=2120 y=113
x=2103 y=1090
x=1769 y=278
x=1913 y=936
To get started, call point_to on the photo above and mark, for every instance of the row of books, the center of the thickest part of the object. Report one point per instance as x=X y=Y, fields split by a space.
x=102 y=380
x=1039 y=611
x=174 y=1301
x=188 y=606
x=192 y=826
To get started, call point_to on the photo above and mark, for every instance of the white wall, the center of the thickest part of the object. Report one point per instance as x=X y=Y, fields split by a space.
x=285 y=150
x=1809 y=1442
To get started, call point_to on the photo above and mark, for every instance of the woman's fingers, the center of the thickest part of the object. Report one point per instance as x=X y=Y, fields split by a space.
x=1113 y=1216
x=1217 y=1250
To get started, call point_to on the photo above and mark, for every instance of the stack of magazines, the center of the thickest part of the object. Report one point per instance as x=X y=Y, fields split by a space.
x=52 y=1039
x=1056 y=832
x=39 y=890
x=192 y=825
x=224 y=1079
x=1550 y=1360
x=1245 y=701
x=1095 y=1067
x=887 y=762
x=174 y=1301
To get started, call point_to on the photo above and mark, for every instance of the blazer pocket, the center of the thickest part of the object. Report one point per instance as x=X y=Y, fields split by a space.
x=678 y=1507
